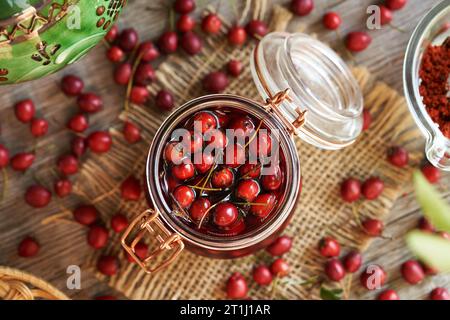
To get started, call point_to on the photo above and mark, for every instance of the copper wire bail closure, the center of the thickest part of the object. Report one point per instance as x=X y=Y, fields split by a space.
x=274 y=101
x=167 y=241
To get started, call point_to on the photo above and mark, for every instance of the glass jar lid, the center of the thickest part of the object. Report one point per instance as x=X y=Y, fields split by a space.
x=319 y=83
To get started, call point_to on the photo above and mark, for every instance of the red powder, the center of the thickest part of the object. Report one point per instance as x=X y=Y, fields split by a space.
x=434 y=73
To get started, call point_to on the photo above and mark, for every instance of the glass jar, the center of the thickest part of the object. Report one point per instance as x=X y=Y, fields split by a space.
x=433 y=29
x=309 y=92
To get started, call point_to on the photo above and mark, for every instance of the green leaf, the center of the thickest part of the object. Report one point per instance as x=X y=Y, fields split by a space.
x=433 y=206
x=431 y=249
x=330 y=294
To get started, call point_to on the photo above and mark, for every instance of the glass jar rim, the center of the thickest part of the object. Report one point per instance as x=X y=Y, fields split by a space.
x=437 y=145
x=319 y=81
x=222 y=243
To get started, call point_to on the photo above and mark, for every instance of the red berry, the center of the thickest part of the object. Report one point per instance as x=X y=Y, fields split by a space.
x=37 y=196
x=85 y=214
x=148 y=51
x=222 y=178
x=22 y=161
x=247 y=190
x=191 y=43
x=358 y=41
x=388 y=295
x=145 y=74
x=119 y=222
x=334 y=270
x=302 y=7
x=412 y=272
x=257 y=28
x=373 y=227
x=243 y=127
x=237 y=36
x=28 y=248
x=131 y=132
x=398 y=156
x=184 y=6
x=174 y=153
x=168 y=42
x=372 y=188
x=115 y=54
x=280 y=246
x=78 y=123
x=199 y=208
x=99 y=141
x=439 y=294
x=68 y=165
x=97 y=237
x=431 y=173
x=90 y=102
x=444 y=235
x=352 y=261
x=329 y=247
x=183 y=171
x=272 y=182
x=206 y=163
x=108 y=265
x=211 y=24
x=139 y=95
x=206 y=120
x=332 y=20
x=78 y=146
x=263 y=205
x=122 y=73
x=215 y=82
x=280 y=268
x=373 y=277
x=164 y=100
x=429 y=271
x=4 y=156
x=395 y=4
x=234 y=68
x=131 y=189
x=63 y=187
x=72 y=85
x=184 y=195
x=225 y=214
x=367 y=120
x=141 y=251
x=24 y=110
x=237 y=287
x=128 y=39
x=38 y=127
x=350 y=190
x=112 y=34
x=185 y=23
x=250 y=170
x=385 y=15
x=261 y=146
x=262 y=275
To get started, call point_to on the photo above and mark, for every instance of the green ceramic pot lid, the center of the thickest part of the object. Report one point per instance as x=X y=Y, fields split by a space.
x=9 y=8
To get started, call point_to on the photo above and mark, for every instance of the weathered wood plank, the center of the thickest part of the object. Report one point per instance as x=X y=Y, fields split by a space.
x=384 y=59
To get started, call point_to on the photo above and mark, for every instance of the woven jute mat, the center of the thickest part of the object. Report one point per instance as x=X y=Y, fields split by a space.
x=319 y=212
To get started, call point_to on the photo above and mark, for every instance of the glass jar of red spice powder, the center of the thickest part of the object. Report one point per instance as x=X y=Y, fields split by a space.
x=426 y=82
x=237 y=197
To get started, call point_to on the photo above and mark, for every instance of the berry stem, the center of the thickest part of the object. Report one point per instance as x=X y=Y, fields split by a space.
x=355 y=212
x=206 y=213
x=106 y=43
x=204 y=189
x=251 y=203
x=254 y=134
x=130 y=85
x=171 y=19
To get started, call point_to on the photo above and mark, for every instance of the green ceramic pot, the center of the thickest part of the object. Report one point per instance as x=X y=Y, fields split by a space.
x=39 y=37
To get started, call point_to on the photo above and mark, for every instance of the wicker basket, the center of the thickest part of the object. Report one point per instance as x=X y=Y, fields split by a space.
x=19 y=285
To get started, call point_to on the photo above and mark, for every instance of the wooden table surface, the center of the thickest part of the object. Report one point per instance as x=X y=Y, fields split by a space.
x=384 y=59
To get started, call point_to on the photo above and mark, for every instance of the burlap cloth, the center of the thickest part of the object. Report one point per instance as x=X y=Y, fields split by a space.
x=319 y=212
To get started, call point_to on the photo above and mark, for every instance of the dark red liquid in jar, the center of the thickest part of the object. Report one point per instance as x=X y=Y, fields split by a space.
x=233 y=190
